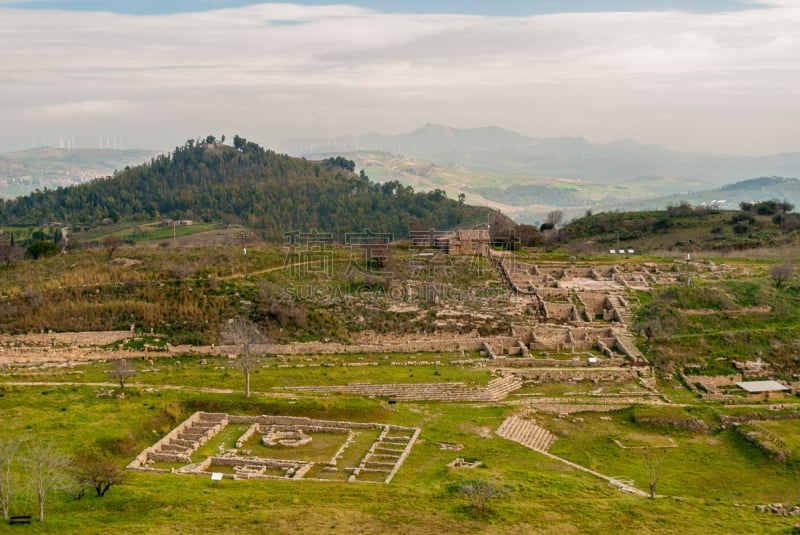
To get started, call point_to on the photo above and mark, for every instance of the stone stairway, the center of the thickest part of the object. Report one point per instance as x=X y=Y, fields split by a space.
x=626 y=344
x=623 y=310
x=539 y=439
x=178 y=446
x=526 y=433
x=386 y=454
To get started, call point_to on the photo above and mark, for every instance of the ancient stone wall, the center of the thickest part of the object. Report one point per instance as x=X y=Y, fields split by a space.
x=579 y=362
x=712 y=382
x=178 y=445
x=574 y=375
x=495 y=390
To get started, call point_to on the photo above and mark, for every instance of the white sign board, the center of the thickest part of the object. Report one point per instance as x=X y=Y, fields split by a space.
x=216 y=476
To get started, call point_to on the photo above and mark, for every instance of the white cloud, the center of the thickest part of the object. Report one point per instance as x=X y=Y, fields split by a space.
x=270 y=70
x=80 y=110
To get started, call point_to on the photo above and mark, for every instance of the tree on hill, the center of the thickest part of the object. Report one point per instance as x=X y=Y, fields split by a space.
x=781 y=274
x=554 y=218
x=10 y=253
x=112 y=243
x=121 y=371
x=340 y=162
x=653 y=460
x=243 y=334
x=479 y=492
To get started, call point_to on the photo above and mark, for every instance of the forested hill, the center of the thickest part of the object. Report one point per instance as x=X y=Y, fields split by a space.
x=271 y=193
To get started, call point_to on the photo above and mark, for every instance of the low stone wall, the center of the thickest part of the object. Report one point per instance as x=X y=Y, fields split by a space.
x=574 y=375
x=712 y=382
x=300 y=421
x=385 y=456
x=730 y=420
x=80 y=339
x=495 y=390
x=551 y=363
x=756 y=438
x=247 y=435
x=570 y=408
x=196 y=430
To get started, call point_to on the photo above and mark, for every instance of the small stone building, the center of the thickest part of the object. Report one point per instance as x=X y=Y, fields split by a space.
x=465 y=242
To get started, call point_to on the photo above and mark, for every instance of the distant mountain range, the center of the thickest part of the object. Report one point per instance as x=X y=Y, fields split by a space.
x=527 y=177
x=497 y=150
x=522 y=176
x=730 y=195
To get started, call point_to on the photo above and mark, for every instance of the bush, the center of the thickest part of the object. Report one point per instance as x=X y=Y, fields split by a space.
x=42 y=249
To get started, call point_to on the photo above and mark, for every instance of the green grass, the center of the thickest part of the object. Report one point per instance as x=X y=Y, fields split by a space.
x=227 y=437
x=321 y=448
x=718 y=465
x=710 y=473
x=788 y=431
x=218 y=372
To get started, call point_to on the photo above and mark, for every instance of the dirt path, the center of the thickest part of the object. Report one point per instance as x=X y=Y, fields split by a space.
x=203 y=389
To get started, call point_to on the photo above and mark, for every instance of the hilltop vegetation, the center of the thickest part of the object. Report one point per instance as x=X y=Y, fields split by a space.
x=244 y=184
x=683 y=227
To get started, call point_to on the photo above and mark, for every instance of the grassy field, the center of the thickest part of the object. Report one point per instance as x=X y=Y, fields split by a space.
x=710 y=482
x=216 y=372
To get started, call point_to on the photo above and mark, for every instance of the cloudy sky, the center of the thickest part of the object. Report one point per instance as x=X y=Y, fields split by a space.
x=715 y=76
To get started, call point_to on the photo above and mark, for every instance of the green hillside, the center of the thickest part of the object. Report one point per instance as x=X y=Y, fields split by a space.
x=248 y=185
x=683 y=227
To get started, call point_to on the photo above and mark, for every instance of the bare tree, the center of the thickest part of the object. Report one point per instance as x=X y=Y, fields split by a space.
x=121 y=371
x=47 y=469
x=478 y=493
x=9 y=447
x=554 y=218
x=243 y=333
x=653 y=460
x=10 y=253
x=112 y=243
x=781 y=274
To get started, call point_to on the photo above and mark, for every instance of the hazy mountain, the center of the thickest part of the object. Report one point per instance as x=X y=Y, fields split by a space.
x=618 y=162
x=730 y=195
x=47 y=167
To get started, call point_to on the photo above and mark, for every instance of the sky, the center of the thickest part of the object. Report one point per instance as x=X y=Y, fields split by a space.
x=719 y=76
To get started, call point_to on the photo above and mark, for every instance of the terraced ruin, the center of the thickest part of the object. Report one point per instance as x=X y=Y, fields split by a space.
x=287 y=436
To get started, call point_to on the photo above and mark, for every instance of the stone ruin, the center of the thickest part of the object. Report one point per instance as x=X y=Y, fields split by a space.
x=290 y=438
x=526 y=433
x=496 y=390
x=382 y=461
x=461 y=463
